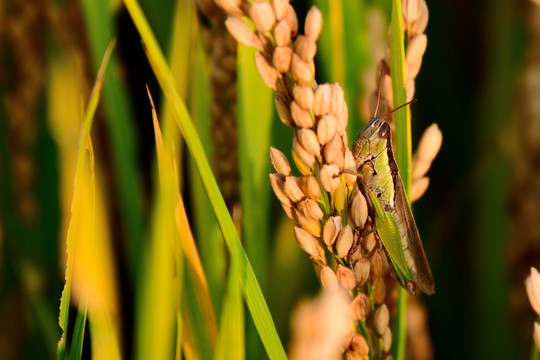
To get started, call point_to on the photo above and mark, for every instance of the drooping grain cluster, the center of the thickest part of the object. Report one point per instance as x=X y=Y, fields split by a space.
x=222 y=49
x=331 y=215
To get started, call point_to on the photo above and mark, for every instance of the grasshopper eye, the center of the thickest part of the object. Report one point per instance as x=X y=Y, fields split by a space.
x=384 y=131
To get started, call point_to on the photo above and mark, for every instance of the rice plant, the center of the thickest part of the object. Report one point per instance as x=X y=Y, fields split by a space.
x=233 y=179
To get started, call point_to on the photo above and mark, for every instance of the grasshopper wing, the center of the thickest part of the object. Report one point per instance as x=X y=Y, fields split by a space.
x=409 y=234
x=388 y=231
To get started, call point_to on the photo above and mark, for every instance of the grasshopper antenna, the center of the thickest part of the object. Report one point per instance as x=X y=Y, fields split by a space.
x=383 y=67
x=399 y=107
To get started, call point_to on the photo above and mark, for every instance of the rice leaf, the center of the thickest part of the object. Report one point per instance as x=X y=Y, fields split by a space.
x=403 y=145
x=93 y=281
x=210 y=240
x=186 y=54
x=200 y=322
x=255 y=116
x=181 y=57
x=161 y=18
x=165 y=159
x=250 y=287
x=155 y=306
x=198 y=340
x=99 y=19
x=81 y=179
x=193 y=304
x=231 y=341
x=78 y=333
x=180 y=54
x=94 y=278
x=399 y=78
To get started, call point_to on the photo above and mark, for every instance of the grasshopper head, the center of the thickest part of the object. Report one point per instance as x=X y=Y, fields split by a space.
x=374 y=137
x=371 y=140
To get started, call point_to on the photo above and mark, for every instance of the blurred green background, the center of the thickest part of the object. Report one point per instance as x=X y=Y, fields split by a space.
x=479 y=220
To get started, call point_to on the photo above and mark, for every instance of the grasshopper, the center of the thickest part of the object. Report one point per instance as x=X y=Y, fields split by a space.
x=381 y=184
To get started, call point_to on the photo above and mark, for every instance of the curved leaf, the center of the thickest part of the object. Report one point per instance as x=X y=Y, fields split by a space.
x=82 y=172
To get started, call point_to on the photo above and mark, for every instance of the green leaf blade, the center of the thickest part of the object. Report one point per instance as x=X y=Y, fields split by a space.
x=75 y=352
x=99 y=16
x=210 y=239
x=255 y=116
x=231 y=339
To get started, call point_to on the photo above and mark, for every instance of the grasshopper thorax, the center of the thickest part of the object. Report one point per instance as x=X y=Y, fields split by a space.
x=371 y=140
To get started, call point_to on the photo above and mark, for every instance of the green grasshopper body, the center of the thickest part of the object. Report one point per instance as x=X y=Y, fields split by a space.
x=380 y=182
